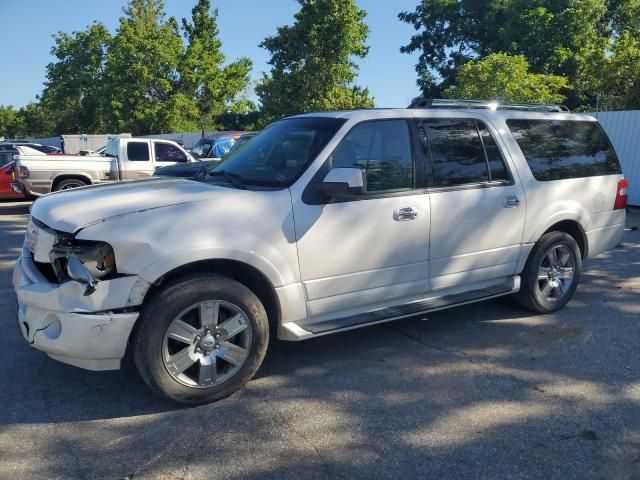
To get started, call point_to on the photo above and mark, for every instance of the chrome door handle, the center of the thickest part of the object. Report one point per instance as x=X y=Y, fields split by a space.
x=511 y=201
x=405 y=213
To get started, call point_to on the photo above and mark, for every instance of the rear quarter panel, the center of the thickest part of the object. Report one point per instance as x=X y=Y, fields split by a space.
x=588 y=201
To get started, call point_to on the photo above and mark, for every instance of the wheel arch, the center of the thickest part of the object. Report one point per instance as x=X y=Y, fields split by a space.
x=573 y=228
x=242 y=272
x=70 y=176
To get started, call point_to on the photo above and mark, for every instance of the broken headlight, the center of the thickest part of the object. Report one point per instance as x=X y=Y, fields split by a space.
x=97 y=258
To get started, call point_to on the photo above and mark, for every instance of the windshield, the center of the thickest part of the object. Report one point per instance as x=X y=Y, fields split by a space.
x=201 y=149
x=279 y=154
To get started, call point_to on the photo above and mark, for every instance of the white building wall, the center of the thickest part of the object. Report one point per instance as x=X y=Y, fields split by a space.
x=623 y=128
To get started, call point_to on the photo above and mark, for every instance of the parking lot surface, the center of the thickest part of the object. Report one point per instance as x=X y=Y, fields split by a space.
x=487 y=391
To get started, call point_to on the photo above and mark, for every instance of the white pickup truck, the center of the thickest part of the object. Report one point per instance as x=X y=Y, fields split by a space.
x=122 y=159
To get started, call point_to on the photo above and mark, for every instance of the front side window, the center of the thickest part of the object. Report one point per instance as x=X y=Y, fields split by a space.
x=138 y=151
x=560 y=149
x=279 y=154
x=165 y=152
x=383 y=150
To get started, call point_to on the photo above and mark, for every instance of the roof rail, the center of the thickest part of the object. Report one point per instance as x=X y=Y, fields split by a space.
x=456 y=103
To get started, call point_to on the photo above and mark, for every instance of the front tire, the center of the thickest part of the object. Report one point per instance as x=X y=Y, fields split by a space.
x=201 y=338
x=551 y=274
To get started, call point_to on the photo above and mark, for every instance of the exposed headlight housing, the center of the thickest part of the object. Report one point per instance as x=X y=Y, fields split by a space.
x=97 y=258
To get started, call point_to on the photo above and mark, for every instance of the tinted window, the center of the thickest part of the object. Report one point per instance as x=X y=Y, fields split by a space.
x=138 y=151
x=278 y=155
x=457 y=155
x=497 y=167
x=558 y=149
x=383 y=150
x=165 y=152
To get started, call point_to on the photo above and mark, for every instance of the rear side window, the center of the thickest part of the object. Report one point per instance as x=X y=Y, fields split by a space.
x=138 y=151
x=560 y=149
x=462 y=151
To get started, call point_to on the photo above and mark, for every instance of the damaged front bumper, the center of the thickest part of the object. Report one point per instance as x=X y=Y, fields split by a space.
x=73 y=328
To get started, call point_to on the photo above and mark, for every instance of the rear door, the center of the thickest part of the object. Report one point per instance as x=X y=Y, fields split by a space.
x=477 y=202
x=135 y=159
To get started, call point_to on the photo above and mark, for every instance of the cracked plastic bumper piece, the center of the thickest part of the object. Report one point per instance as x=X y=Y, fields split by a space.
x=95 y=341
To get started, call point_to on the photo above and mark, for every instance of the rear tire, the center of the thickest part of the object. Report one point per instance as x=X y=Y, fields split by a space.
x=70 y=183
x=201 y=338
x=551 y=274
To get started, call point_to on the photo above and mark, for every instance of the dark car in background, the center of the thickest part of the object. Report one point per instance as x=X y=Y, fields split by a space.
x=218 y=143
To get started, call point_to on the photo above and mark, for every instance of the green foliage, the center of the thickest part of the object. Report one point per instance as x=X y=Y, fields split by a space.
x=73 y=90
x=151 y=77
x=566 y=38
x=312 y=60
x=141 y=71
x=31 y=120
x=615 y=79
x=8 y=119
x=503 y=77
x=214 y=87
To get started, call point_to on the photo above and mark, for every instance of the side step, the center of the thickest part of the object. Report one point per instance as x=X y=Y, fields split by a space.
x=409 y=309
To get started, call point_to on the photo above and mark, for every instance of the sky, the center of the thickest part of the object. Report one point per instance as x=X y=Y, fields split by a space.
x=28 y=26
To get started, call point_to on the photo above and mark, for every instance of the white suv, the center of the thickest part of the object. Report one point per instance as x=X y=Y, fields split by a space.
x=321 y=223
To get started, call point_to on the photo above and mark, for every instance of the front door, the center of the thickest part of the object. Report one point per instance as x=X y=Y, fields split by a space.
x=371 y=249
x=477 y=206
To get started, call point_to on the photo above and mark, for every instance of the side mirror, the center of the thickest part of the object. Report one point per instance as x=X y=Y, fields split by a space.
x=343 y=182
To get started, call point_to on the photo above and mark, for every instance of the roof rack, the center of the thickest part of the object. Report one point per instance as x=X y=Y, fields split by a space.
x=456 y=103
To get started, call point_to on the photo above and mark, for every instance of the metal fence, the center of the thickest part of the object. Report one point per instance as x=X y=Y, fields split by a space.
x=623 y=128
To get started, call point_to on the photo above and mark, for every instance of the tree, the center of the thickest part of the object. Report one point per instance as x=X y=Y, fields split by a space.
x=503 y=77
x=142 y=73
x=73 y=91
x=213 y=87
x=35 y=121
x=312 y=61
x=614 y=80
x=555 y=37
x=8 y=117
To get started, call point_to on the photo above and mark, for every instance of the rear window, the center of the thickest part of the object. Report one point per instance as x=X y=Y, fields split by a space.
x=560 y=149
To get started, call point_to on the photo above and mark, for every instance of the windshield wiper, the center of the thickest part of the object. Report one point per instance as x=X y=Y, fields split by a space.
x=233 y=178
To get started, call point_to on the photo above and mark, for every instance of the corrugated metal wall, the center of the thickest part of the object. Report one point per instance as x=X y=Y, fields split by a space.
x=623 y=129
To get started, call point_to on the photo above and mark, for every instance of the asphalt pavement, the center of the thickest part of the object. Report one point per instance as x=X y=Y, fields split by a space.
x=487 y=391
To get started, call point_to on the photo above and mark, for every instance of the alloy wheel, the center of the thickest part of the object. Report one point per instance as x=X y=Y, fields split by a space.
x=556 y=272
x=207 y=343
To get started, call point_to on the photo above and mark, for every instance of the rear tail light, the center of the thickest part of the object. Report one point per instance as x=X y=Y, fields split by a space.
x=23 y=172
x=621 y=195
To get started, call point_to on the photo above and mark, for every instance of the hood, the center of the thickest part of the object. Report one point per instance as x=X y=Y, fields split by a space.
x=72 y=210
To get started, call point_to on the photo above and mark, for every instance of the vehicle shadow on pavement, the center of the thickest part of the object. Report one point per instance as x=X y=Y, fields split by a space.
x=13 y=207
x=482 y=391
